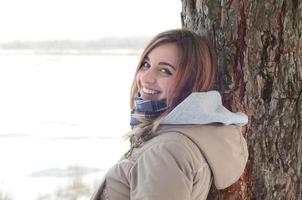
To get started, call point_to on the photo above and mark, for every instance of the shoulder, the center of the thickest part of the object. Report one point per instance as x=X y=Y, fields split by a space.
x=168 y=165
x=171 y=147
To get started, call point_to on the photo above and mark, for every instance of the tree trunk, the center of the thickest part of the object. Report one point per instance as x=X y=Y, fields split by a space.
x=259 y=48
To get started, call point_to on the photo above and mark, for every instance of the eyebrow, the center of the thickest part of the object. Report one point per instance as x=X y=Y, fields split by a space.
x=161 y=63
x=164 y=63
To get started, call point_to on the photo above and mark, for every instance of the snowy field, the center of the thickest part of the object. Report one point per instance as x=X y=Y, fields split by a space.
x=62 y=118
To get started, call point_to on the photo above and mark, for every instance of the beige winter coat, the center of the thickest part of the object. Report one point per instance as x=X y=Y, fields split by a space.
x=181 y=160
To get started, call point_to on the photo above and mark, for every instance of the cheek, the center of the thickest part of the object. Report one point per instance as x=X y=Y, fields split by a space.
x=170 y=86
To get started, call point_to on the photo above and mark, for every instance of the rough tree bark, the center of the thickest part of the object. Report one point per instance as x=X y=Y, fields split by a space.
x=259 y=48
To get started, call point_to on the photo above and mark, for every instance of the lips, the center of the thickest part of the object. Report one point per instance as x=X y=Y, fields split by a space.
x=149 y=91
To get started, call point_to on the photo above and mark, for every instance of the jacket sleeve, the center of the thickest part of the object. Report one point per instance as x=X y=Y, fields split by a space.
x=162 y=172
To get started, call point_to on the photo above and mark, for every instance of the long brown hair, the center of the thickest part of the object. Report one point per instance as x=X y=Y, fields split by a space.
x=197 y=65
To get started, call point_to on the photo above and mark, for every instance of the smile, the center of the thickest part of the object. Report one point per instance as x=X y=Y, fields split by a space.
x=149 y=91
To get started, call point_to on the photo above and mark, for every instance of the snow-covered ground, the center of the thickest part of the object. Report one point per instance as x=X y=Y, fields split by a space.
x=62 y=118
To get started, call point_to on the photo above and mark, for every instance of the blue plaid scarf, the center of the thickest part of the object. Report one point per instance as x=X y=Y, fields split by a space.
x=146 y=109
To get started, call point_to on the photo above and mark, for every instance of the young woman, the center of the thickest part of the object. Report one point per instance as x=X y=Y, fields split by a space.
x=182 y=137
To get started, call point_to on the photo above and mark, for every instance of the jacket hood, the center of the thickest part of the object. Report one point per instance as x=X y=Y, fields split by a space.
x=216 y=132
x=203 y=108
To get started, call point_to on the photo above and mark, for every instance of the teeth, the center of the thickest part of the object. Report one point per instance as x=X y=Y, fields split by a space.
x=148 y=91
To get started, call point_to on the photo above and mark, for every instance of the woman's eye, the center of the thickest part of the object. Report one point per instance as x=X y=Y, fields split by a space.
x=145 y=65
x=165 y=71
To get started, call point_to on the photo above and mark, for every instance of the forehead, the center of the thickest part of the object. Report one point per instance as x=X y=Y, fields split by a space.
x=168 y=52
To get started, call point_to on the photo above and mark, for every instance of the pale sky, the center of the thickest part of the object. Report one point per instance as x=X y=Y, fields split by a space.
x=85 y=19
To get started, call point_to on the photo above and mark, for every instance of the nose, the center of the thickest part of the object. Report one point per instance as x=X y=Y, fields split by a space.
x=148 y=76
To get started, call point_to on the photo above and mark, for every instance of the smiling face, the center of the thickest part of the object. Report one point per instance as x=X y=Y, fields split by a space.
x=157 y=74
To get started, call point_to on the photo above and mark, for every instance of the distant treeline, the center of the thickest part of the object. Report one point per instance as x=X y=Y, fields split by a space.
x=131 y=43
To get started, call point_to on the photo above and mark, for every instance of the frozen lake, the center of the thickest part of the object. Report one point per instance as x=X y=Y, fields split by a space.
x=62 y=118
